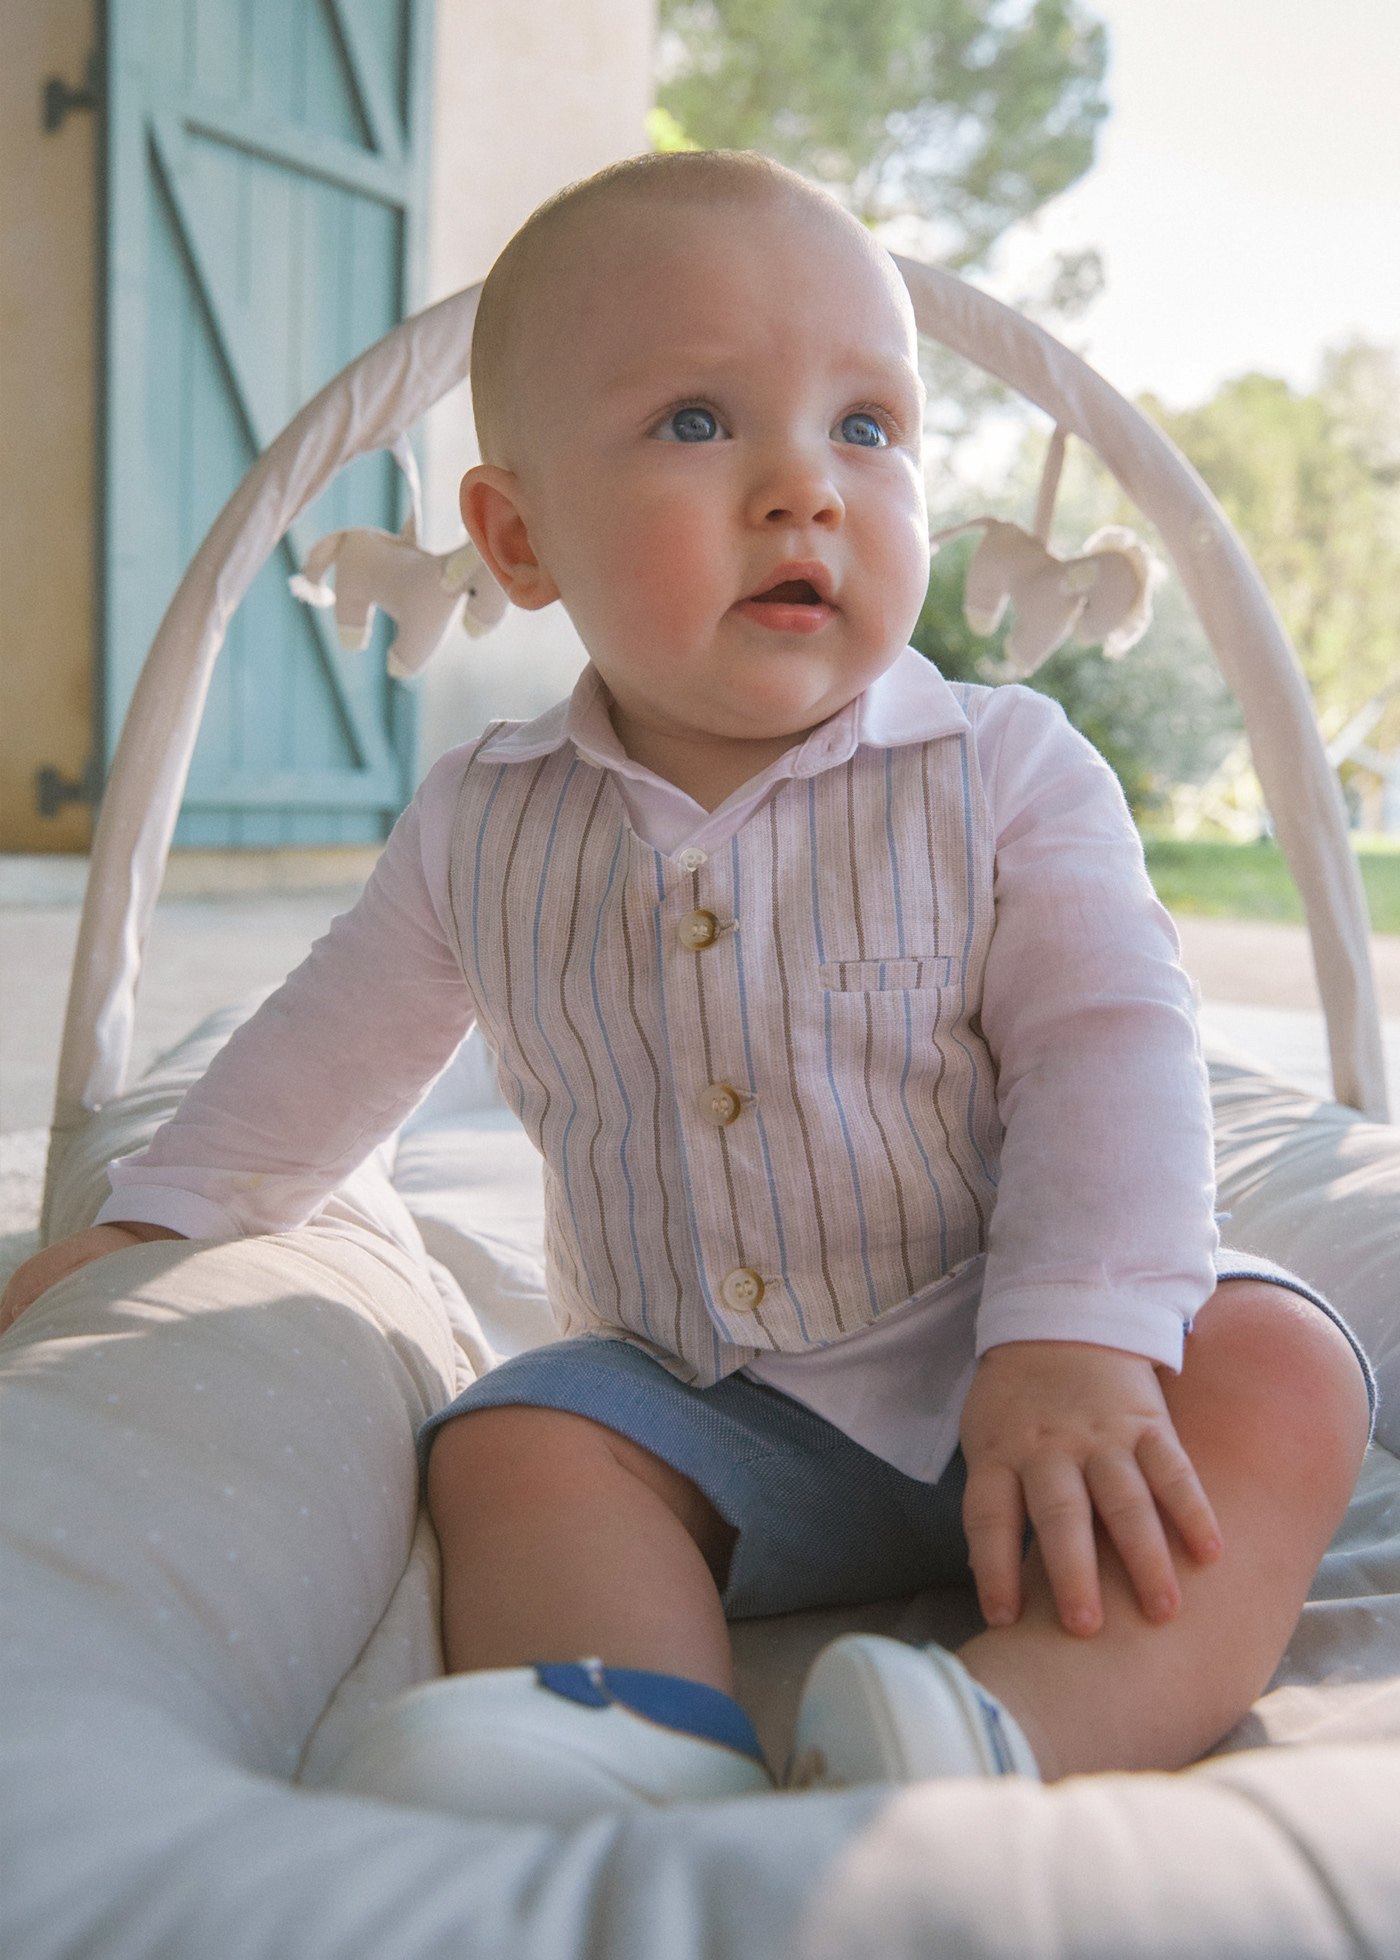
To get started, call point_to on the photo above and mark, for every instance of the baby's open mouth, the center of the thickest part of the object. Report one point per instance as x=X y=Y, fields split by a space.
x=792 y=592
x=794 y=604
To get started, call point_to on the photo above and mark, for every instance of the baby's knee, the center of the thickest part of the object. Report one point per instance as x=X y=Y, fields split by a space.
x=1288 y=1377
x=508 y=1448
x=515 y=1459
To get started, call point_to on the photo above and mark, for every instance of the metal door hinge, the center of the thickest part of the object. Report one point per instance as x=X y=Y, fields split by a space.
x=60 y=100
x=52 y=789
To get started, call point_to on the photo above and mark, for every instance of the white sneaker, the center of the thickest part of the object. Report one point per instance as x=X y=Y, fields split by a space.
x=879 y=1711
x=554 y=1745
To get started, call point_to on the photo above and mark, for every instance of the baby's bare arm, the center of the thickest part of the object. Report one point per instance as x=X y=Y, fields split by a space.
x=67 y=1256
x=1059 y=1434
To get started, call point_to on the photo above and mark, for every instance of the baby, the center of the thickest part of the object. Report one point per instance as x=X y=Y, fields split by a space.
x=876 y=1140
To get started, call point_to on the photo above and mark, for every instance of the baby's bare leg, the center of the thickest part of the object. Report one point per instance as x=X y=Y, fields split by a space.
x=1271 y=1408
x=562 y=1539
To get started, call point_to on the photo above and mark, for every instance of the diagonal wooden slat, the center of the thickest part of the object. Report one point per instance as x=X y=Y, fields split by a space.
x=374 y=102
x=309 y=151
x=165 y=138
x=362 y=730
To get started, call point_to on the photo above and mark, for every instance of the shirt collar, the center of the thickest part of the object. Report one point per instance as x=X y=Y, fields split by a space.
x=910 y=702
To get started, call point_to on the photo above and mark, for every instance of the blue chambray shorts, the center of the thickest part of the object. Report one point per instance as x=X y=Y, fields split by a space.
x=820 y=1520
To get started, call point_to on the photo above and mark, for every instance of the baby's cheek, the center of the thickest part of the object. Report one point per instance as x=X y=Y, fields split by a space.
x=898 y=613
x=671 y=574
x=899 y=560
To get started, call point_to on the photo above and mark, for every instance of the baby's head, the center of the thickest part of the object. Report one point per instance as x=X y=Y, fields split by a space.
x=697 y=394
x=527 y=302
x=526 y=298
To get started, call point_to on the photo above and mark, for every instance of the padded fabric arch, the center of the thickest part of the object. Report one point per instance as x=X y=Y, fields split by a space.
x=375 y=400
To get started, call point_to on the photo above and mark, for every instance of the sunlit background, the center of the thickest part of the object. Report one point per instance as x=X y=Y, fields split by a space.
x=1220 y=179
x=1246 y=196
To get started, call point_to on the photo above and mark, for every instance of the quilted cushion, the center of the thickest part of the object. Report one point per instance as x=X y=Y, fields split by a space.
x=210 y=1546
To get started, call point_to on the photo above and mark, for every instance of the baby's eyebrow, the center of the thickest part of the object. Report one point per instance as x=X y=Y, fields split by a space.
x=896 y=371
x=672 y=366
x=857 y=372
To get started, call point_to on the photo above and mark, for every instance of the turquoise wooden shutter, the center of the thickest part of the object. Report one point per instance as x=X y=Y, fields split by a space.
x=265 y=201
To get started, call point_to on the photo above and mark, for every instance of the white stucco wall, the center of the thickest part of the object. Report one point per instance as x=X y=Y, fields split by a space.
x=527 y=97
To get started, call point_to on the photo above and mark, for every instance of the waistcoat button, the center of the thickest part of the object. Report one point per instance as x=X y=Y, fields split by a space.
x=698 y=929
x=719 y=1104
x=741 y=1290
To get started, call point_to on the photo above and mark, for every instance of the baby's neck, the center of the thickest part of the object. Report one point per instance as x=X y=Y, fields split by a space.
x=708 y=768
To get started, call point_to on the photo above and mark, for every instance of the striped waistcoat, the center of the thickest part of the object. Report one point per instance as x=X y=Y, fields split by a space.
x=758 y=1082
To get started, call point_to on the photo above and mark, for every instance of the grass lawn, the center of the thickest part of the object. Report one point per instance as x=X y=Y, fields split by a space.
x=1251 y=881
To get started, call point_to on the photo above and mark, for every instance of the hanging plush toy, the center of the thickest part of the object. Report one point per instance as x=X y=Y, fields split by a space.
x=1101 y=596
x=423 y=592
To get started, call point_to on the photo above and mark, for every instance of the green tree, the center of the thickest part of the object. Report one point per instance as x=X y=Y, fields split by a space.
x=969 y=114
x=1311 y=480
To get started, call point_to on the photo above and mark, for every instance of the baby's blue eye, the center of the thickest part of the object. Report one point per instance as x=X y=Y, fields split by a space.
x=690 y=425
x=864 y=430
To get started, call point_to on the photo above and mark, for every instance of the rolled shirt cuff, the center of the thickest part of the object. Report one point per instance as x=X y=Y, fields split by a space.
x=1065 y=1313
x=179 y=1211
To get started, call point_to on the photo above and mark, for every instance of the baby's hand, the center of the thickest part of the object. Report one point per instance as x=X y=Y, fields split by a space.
x=67 y=1256
x=1058 y=1432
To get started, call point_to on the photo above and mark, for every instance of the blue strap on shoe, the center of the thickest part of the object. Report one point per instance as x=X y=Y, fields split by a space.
x=993 y=1723
x=689 y=1707
x=575 y=1681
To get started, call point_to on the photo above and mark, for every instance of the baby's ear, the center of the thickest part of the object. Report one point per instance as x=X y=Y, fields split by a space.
x=492 y=513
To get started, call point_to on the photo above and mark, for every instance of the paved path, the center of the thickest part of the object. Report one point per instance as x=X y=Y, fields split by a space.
x=204 y=953
x=1260 y=965
x=1259 y=994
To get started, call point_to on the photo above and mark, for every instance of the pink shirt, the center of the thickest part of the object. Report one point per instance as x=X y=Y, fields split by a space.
x=1106 y=1168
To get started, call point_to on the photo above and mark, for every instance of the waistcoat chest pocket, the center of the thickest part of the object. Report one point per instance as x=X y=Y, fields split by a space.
x=904 y=974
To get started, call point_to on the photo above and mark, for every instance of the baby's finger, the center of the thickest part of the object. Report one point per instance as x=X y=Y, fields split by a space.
x=1178 y=1493
x=1129 y=1514
x=994 y=1520
x=1057 y=1500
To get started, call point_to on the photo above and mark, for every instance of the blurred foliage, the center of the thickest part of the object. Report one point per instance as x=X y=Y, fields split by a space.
x=664 y=133
x=967 y=114
x=1311 y=480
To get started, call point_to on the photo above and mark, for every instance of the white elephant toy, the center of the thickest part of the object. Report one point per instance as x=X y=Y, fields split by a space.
x=1102 y=595
x=423 y=592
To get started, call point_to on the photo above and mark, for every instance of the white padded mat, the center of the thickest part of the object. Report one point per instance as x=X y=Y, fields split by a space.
x=211 y=1561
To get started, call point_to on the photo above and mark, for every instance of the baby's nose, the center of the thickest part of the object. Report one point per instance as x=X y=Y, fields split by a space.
x=795 y=489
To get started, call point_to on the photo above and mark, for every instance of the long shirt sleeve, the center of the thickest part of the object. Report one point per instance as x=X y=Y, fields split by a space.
x=329 y=1065
x=1102 y=1229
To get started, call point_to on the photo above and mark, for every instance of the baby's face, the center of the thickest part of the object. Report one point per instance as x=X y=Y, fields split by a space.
x=720 y=467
